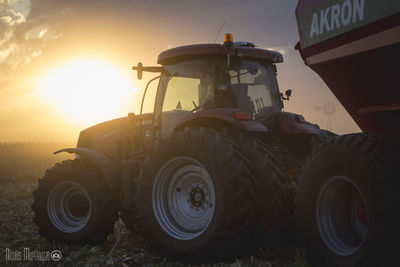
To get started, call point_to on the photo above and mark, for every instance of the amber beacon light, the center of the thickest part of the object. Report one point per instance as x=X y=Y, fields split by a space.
x=228 y=38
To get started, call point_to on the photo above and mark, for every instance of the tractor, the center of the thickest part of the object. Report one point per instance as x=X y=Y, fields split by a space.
x=216 y=159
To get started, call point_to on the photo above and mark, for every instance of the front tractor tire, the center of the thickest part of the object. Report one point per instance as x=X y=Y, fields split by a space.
x=72 y=204
x=346 y=201
x=194 y=196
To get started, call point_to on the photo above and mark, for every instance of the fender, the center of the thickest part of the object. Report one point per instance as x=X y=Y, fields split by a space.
x=221 y=116
x=291 y=123
x=111 y=170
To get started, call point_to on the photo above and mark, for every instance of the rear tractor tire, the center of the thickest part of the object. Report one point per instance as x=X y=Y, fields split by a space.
x=270 y=210
x=346 y=202
x=72 y=204
x=194 y=196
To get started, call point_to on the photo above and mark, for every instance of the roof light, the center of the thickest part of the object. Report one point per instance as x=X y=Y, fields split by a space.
x=228 y=38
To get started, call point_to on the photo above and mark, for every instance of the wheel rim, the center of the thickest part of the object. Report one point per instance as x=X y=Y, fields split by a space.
x=183 y=198
x=341 y=216
x=69 y=207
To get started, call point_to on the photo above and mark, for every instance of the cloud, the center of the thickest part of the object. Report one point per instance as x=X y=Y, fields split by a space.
x=42 y=33
x=47 y=20
x=28 y=33
x=9 y=19
x=10 y=46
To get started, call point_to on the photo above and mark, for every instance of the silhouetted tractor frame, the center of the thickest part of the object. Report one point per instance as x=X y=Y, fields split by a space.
x=216 y=162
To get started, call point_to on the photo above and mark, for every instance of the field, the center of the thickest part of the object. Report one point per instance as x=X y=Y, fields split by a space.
x=20 y=167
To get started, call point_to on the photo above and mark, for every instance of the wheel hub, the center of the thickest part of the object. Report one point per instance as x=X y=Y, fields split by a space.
x=183 y=198
x=341 y=216
x=197 y=196
x=362 y=214
x=77 y=205
x=69 y=207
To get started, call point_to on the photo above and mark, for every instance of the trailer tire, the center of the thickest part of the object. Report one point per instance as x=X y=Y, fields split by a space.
x=346 y=201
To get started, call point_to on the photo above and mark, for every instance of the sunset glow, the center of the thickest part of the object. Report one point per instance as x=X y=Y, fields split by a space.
x=87 y=90
x=66 y=65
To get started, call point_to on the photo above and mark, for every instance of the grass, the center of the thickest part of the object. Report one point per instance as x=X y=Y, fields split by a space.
x=20 y=167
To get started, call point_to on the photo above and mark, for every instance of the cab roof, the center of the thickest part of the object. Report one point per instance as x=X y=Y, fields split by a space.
x=240 y=49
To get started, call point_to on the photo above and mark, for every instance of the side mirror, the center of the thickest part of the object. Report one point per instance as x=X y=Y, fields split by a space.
x=139 y=70
x=287 y=95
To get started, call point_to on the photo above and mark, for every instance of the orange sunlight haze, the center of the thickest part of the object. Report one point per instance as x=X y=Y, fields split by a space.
x=87 y=90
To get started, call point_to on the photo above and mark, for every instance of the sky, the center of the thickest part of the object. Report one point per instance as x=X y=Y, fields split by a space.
x=65 y=64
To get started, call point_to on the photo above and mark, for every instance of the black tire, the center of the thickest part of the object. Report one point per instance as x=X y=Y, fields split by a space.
x=208 y=155
x=88 y=211
x=346 y=201
x=129 y=211
x=271 y=210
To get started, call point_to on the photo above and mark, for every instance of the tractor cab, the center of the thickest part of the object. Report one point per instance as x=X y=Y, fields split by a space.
x=231 y=81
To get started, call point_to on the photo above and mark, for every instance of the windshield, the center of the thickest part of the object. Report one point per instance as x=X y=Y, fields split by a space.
x=191 y=86
x=208 y=83
x=253 y=84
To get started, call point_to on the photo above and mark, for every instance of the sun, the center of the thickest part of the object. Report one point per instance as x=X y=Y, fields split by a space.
x=87 y=90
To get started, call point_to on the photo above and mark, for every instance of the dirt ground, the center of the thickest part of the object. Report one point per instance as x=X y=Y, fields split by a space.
x=20 y=167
